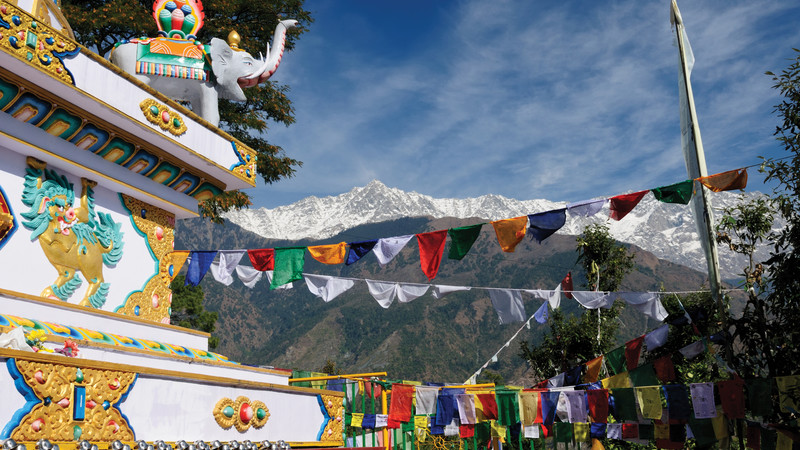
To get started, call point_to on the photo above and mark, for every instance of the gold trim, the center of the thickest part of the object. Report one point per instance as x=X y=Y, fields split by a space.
x=99 y=174
x=138 y=351
x=60 y=304
x=161 y=373
x=300 y=444
x=56 y=10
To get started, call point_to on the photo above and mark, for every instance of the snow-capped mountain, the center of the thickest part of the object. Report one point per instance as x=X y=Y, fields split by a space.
x=667 y=230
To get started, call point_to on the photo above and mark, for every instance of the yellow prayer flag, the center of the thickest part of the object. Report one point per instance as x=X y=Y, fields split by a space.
x=582 y=431
x=498 y=431
x=620 y=380
x=421 y=427
x=177 y=258
x=528 y=407
x=328 y=254
x=593 y=369
x=784 y=442
x=319 y=384
x=720 y=424
x=357 y=419
x=661 y=431
x=510 y=232
x=788 y=389
x=649 y=401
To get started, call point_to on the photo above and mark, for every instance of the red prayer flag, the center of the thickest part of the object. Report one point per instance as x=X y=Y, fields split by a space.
x=598 y=405
x=466 y=430
x=630 y=431
x=633 y=349
x=665 y=370
x=621 y=205
x=566 y=285
x=262 y=259
x=431 y=247
x=400 y=405
x=731 y=394
x=754 y=436
x=489 y=404
x=547 y=431
x=372 y=389
x=726 y=181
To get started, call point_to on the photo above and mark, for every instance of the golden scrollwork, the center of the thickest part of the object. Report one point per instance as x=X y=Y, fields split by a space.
x=158 y=114
x=158 y=227
x=241 y=413
x=34 y=41
x=334 y=405
x=53 y=418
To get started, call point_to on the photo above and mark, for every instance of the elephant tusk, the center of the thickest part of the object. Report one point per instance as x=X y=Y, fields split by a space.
x=259 y=71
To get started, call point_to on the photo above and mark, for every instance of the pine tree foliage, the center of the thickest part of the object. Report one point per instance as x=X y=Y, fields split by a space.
x=188 y=311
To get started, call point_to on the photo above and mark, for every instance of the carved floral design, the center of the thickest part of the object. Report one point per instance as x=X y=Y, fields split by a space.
x=161 y=116
x=241 y=413
x=334 y=405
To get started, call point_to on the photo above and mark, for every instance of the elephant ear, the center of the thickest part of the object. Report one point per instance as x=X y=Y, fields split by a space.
x=223 y=64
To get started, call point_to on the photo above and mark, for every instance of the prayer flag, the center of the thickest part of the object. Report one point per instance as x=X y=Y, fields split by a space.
x=788 y=388
x=544 y=224
x=586 y=208
x=573 y=376
x=726 y=181
x=647 y=303
x=693 y=349
x=759 y=391
x=445 y=407
x=703 y=400
x=431 y=248
x=563 y=432
x=548 y=401
x=387 y=248
x=677 y=401
x=199 y=263
x=566 y=285
x=507 y=407
x=461 y=240
x=488 y=406
x=633 y=350
x=620 y=380
x=177 y=259
x=508 y=305
x=675 y=193
x=529 y=410
x=510 y=232
x=656 y=338
x=598 y=405
x=466 y=430
x=643 y=375
x=582 y=431
x=621 y=205
x=262 y=259
x=249 y=276
x=753 y=436
x=593 y=299
x=542 y=314
x=289 y=263
x=328 y=254
x=624 y=404
x=665 y=370
x=228 y=260
x=598 y=430
x=649 y=401
x=326 y=287
x=615 y=360
x=576 y=406
x=731 y=394
x=630 y=431
x=400 y=405
x=357 y=420
x=614 y=431
x=358 y=250
x=466 y=408
x=593 y=369
x=426 y=399
x=440 y=290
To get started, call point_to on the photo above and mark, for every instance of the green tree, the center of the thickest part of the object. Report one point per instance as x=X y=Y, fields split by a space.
x=188 y=310
x=99 y=24
x=573 y=340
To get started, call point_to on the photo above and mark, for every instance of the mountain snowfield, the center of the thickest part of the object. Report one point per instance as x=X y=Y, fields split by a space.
x=667 y=230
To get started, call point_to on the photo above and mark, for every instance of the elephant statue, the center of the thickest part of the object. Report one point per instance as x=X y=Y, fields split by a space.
x=200 y=74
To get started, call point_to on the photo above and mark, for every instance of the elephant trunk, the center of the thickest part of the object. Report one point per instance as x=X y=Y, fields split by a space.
x=274 y=55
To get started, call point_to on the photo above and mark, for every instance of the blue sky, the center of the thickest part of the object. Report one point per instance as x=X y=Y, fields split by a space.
x=526 y=99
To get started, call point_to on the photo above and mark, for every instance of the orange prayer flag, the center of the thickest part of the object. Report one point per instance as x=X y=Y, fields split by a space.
x=329 y=254
x=726 y=181
x=176 y=259
x=593 y=369
x=597 y=445
x=510 y=232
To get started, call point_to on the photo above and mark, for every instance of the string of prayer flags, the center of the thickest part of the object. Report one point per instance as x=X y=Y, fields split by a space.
x=328 y=254
x=289 y=263
x=199 y=263
x=544 y=224
x=431 y=248
x=510 y=232
x=222 y=271
x=358 y=249
x=461 y=240
x=621 y=205
x=675 y=193
x=726 y=181
x=387 y=248
x=508 y=305
x=586 y=208
x=326 y=287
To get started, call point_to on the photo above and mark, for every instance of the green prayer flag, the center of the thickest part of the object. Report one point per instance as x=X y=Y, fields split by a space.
x=483 y=431
x=301 y=374
x=703 y=431
x=624 y=404
x=461 y=240
x=759 y=396
x=769 y=439
x=507 y=407
x=675 y=193
x=647 y=431
x=643 y=375
x=615 y=360
x=563 y=431
x=288 y=265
